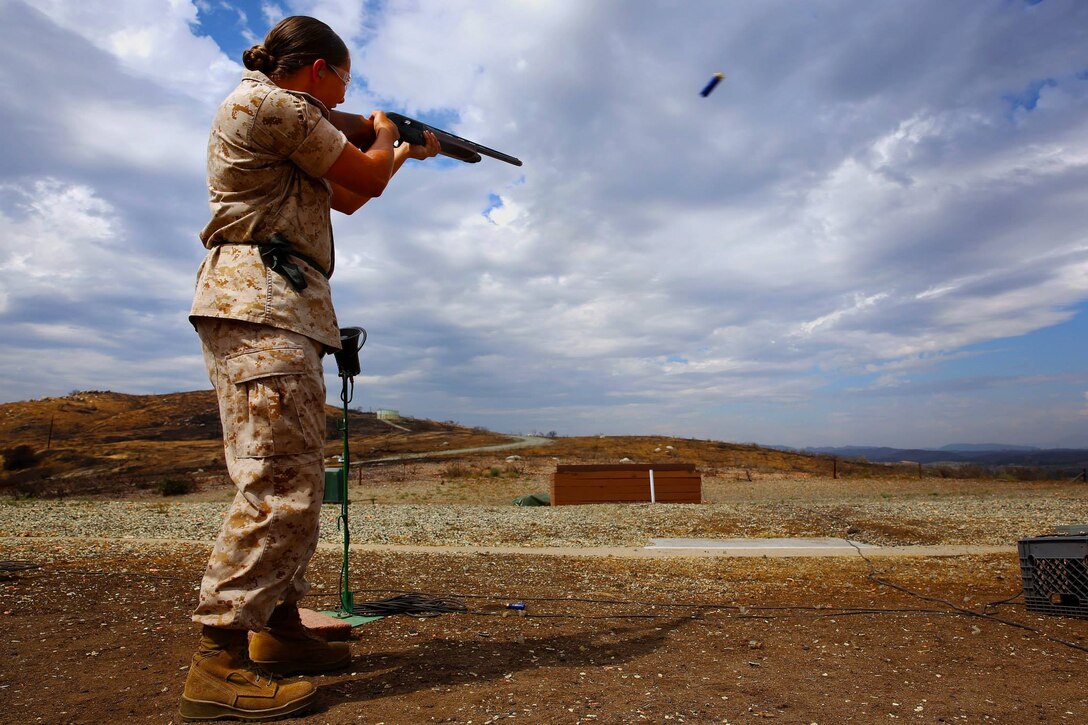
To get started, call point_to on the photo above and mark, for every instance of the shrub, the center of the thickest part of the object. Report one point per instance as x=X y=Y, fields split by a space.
x=495 y=472
x=26 y=489
x=19 y=457
x=176 y=487
x=456 y=470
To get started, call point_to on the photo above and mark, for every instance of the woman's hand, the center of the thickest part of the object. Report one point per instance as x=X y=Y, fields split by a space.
x=358 y=176
x=429 y=148
x=365 y=174
x=382 y=123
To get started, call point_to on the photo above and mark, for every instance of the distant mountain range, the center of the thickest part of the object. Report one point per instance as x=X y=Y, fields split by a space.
x=977 y=447
x=982 y=454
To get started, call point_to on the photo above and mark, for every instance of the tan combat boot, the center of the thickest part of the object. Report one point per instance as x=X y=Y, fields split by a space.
x=288 y=648
x=223 y=683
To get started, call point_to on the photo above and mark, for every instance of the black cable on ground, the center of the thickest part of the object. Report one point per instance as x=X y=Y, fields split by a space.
x=415 y=604
x=9 y=567
x=826 y=611
x=429 y=605
x=125 y=574
x=1003 y=602
x=872 y=576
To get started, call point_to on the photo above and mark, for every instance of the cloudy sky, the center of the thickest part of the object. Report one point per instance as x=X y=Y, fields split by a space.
x=875 y=231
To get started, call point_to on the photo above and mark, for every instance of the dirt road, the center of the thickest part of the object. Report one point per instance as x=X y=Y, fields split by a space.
x=521 y=442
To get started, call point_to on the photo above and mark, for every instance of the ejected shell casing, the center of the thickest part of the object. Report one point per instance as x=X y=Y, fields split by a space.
x=712 y=84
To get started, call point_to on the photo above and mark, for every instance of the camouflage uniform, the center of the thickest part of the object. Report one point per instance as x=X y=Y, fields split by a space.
x=263 y=340
x=271 y=400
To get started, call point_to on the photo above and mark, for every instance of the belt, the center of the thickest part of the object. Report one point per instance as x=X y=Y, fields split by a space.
x=276 y=253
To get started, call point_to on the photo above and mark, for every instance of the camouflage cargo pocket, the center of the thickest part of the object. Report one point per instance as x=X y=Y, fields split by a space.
x=279 y=403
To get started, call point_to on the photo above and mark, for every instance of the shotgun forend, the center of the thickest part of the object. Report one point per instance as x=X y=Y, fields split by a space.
x=411 y=131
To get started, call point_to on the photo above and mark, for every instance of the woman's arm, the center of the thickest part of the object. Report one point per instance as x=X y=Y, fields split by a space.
x=358 y=129
x=367 y=172
x=348 y=201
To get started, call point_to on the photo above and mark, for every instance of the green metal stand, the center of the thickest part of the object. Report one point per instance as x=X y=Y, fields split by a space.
x=340 y=482
x=347 y=598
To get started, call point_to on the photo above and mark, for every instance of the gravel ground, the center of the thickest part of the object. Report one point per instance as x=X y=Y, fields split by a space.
x=949 y=520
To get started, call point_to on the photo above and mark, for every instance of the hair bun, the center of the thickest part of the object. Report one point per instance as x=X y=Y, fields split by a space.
x=259 y=59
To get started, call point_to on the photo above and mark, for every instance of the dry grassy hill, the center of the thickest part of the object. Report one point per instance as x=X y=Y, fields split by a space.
x=112 y=443
x=100 y=441
x=709 y=455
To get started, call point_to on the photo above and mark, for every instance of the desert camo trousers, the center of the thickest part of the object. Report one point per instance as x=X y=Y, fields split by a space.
x=271 y=393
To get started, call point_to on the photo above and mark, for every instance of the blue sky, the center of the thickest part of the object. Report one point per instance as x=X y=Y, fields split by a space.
x=872 y=232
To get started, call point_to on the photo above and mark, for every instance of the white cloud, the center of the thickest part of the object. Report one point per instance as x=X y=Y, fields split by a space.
x=272 y=13
x=152 y=40
x=860 y=303
x=344 y=16
x=127 y=133
x=64 y=241
x=865 y=202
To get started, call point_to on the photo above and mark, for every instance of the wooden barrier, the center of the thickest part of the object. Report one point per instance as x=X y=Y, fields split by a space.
x=627 y=483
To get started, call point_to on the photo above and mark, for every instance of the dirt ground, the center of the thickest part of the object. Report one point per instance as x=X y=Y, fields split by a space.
x=100 y=634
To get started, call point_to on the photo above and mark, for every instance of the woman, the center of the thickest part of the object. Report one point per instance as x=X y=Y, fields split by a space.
x=263 y=311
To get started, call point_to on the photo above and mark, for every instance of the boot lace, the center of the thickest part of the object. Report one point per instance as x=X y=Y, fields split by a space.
x=248 y=665
x=260 y=672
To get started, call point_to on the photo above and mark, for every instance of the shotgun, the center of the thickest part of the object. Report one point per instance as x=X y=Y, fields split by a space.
x=360 y=131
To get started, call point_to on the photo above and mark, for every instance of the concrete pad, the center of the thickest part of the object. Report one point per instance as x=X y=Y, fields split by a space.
x=813 y=546
x=629 y=552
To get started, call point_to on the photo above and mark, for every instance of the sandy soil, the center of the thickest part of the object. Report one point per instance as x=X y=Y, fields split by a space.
x=100 y=633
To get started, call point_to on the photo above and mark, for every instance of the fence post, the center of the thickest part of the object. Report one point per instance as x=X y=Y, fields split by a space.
x=834 y=467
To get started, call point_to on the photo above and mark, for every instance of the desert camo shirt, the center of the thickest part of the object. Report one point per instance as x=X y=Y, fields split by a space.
x=267 y=153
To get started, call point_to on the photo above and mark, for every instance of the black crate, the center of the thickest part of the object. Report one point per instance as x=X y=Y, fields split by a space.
x=1055 y=574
